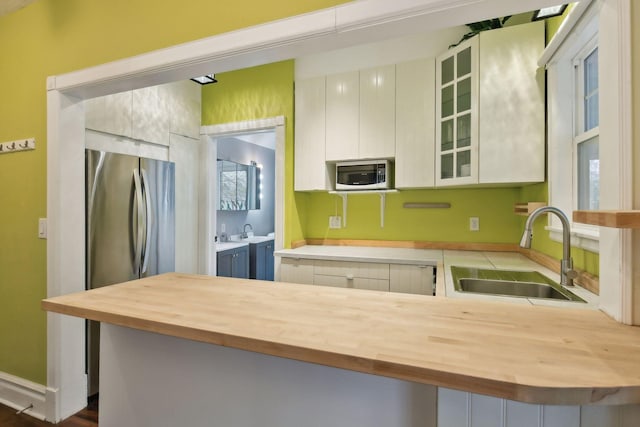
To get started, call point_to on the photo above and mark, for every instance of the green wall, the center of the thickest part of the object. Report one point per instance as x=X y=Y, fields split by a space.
x=258 y=93
x=494 y=207
x=51 y=37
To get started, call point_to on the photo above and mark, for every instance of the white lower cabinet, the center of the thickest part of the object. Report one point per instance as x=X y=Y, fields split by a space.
x=353 y=282
x=457 y=408
x=413 y=279
x=294 y=270
x=355 y=275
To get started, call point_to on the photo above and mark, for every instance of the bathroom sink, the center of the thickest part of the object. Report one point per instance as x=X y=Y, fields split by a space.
x=523 y=284
x=257 y=239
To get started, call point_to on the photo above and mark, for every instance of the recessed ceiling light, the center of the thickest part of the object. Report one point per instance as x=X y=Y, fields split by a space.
x=548 y=12
x=205 y=80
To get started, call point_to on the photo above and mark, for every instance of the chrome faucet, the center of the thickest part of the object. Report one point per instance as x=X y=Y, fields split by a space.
x=567 y=273
x=244 y=231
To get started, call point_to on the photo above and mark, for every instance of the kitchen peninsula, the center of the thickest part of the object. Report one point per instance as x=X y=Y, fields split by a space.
x=186 y=347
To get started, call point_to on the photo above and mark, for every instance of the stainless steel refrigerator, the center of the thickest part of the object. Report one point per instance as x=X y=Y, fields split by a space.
x=130 y=211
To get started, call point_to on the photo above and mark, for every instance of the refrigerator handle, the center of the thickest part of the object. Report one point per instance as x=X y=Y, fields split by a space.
x=148 y=221
x=137 y=219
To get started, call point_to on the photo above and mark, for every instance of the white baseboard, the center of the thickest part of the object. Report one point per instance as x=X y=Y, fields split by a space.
x=19 y=393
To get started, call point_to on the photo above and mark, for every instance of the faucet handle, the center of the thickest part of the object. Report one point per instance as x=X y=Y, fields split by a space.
x=571 y=274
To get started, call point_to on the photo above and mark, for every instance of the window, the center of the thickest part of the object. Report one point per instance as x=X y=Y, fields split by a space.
x=573 y=118
x=586 y=140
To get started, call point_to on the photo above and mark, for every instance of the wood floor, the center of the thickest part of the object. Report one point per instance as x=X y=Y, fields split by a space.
x=88 y=417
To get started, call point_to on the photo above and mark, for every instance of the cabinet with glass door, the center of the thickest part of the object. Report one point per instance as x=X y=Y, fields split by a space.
x=456 y=115
x=490 y=107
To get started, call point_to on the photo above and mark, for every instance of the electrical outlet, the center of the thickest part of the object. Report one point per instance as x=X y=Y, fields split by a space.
x=474 y=223
x=223 y=228
x=335 y=222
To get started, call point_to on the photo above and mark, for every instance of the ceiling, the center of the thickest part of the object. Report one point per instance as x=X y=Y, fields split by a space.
x=8 y=6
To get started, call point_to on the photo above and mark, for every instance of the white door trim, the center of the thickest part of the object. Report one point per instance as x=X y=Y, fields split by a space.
x=210 y=134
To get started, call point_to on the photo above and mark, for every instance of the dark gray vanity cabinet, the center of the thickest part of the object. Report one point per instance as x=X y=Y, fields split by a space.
x=261 y=260
x=234 y=262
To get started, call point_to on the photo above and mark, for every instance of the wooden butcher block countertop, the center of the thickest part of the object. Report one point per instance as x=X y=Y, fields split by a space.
x=526 y=353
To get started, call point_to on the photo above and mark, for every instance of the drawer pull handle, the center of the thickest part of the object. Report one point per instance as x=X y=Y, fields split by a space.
x=349 y=276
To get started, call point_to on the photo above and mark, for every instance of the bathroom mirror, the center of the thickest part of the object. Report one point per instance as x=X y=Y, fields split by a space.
x=238 y=186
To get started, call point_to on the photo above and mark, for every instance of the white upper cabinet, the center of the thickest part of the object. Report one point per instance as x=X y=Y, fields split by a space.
x=457 y=115
x=185 y=108
x=415 y=124
x=360 y=115
x=512 y=105
x=110 y=114
x=148 y=114
x=377 y=113
x=490 y=109
x=310 y=171
x=342 y=124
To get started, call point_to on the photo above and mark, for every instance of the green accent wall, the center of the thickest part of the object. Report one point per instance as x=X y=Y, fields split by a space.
x=494 y=207
x=257 y=93
x=51 y=37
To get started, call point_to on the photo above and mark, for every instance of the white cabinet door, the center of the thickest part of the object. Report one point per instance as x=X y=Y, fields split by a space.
x=377 y=113
x=512 y=105
x=185 y=107
x=415 y=126
x=411 y=279
x=310 y=171
x=342 y=126
x=184 y=152
x=150 y=115
x=110 y=113
x=296 y=270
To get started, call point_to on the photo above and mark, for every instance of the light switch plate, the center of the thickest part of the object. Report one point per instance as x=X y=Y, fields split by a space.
x=42 y=228
x=335 y=222
x=474 y=223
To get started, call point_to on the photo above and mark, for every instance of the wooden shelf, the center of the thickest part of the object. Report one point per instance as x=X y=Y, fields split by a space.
x=613 y=219
x=527 y=208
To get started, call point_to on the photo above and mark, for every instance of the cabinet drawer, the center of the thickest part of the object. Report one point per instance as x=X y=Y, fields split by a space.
x=355 y=283
x=411 y=279
x=296 y=270
x=368 y=270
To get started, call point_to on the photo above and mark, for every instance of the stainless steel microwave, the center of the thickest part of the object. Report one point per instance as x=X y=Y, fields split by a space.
x=363 y=175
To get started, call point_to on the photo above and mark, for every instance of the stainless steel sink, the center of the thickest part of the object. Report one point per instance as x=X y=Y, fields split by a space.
x=523 y=284
x=518 y=289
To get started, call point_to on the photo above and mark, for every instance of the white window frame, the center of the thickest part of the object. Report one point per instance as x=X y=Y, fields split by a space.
x=566 y=117
x=580 y=135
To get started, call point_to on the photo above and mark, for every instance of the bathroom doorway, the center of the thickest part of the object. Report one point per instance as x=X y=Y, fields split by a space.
x=251 y=144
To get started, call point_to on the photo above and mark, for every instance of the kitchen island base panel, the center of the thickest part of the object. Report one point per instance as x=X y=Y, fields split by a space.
x=148 y=379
